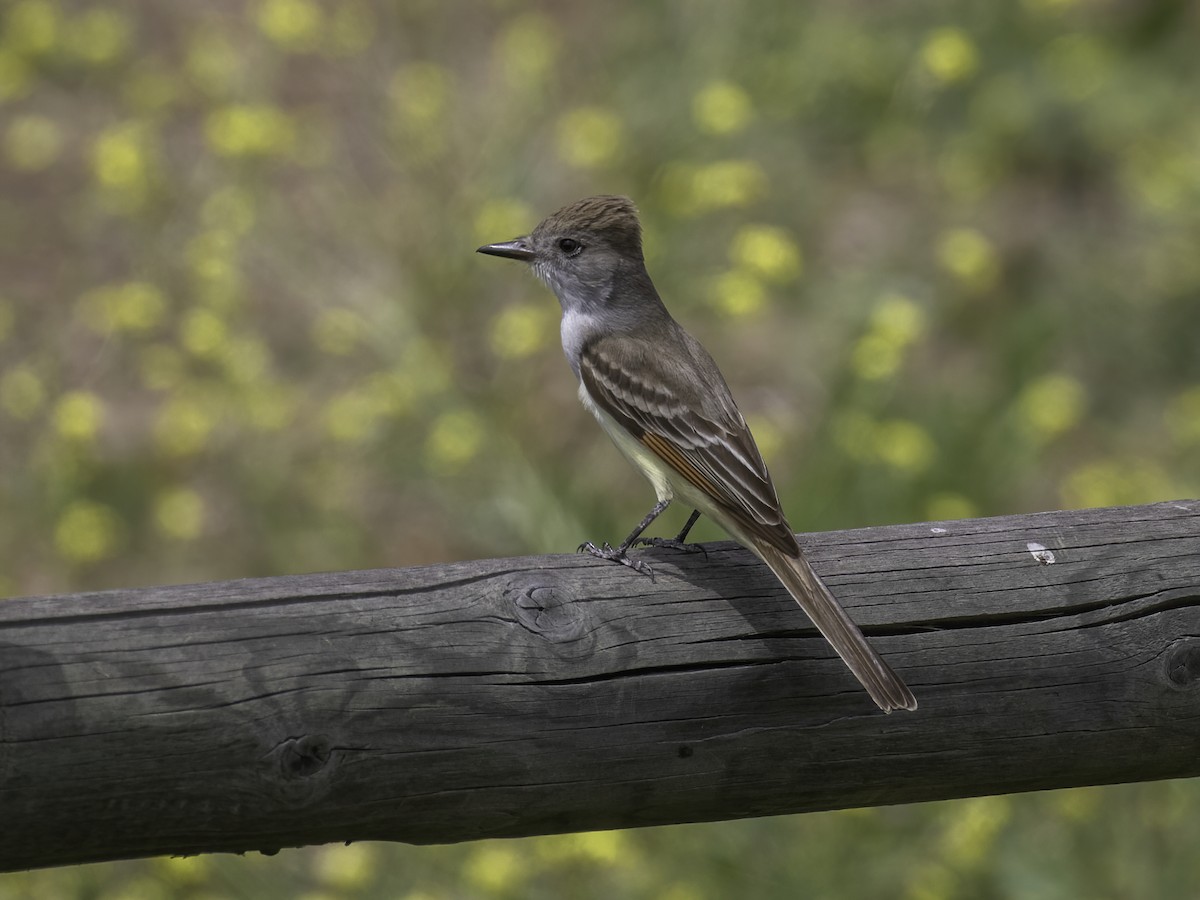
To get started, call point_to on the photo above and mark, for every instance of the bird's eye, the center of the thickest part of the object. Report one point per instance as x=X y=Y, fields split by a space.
x=570 y=246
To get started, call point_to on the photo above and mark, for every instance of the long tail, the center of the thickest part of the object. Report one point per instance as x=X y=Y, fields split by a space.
x=884 y=685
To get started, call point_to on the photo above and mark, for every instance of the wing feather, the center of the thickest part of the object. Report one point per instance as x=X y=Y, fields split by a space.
x=697 y=430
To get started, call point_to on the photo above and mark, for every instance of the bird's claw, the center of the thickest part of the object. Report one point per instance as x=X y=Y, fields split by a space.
x=672 y=544
x=615 y=554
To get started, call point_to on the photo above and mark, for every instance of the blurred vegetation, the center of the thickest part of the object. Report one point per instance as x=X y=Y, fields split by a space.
x=946 y=255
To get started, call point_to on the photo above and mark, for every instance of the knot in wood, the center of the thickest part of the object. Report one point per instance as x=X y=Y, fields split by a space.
x=548 y=612
x=303 y=757
x=1183 y=664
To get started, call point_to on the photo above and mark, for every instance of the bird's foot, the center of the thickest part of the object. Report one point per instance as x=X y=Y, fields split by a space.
x=671 y=544
x=615 y=554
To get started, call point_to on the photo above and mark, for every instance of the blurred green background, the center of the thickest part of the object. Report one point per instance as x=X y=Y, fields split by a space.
x=946 y=254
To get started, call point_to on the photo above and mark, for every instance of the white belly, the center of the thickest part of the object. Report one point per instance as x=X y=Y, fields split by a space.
x=659 y=474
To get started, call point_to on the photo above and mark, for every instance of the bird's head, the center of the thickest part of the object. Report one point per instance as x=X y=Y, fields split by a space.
x=581 y=250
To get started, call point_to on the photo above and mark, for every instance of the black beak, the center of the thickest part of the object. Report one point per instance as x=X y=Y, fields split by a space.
x=514 y=249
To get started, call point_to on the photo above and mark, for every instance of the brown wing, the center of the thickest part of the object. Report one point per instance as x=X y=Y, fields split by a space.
x=674 y=400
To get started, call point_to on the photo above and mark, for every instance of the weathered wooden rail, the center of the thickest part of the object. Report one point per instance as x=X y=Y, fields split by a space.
x=524 y=696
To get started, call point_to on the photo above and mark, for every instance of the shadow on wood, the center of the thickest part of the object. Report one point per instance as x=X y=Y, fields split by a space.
x=528 y=696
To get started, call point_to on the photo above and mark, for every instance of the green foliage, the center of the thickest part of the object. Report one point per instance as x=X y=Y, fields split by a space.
x=1132 y=841
x=946 y=256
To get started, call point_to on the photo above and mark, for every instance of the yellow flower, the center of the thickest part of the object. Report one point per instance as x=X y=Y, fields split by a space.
x=528 y=49
x=948 y=506
x=876 y=357
x=738 y=293
x=391 y=393
x=520 y=331
x=895 y=324
x=766 y=435
x=1077 y=804
x=494 y=868
x=32 y=26
x=721 y=107
x=768 y=252
x=245 y=359
x=1051 y=405
x=250 y=130
x=904 y=445
x=1113 y=483
x=501 y=219
x=98 y=36
x=692 y=189
x=214 y=63
x=347 y=868
x=969 y=256
x=179 y=513
x=183 y=427
x=21 y=392
x=949 y=55
x=204 y=333
x=87 y=532
x=454 y=439
x=589 y=137
x=971 y=833
x=421 y=93
x=121 y=158
x=135 y=306
x=293 y=24
x=1161 y=173
x=604 y=847
x=78 y=415
x=1182 y=417
x=351 y=416
x=14 y=74
x=212 y=255
x=185 y=870
x=734 y=182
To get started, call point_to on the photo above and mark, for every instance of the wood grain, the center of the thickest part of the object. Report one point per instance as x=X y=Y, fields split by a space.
x=547 y=694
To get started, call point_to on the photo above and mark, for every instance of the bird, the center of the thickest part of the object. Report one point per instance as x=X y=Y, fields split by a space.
x=664 y=402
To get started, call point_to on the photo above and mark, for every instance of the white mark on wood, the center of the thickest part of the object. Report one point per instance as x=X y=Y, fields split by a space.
x=1040 y=553
x=939 y=530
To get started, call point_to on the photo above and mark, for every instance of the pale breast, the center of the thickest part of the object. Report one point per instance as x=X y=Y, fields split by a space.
x=655 y=470
x=576 y=328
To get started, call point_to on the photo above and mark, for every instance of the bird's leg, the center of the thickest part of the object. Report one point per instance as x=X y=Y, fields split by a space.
x=621 y=554
x=679 y=542
x=682 y=536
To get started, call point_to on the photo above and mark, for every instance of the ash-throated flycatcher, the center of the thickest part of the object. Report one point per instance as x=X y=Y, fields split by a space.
x=665 y=404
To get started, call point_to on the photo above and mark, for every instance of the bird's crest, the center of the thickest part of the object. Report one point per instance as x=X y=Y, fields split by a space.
x=614 y=220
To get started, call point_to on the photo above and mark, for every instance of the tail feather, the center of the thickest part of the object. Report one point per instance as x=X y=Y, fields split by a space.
x=806 y=587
